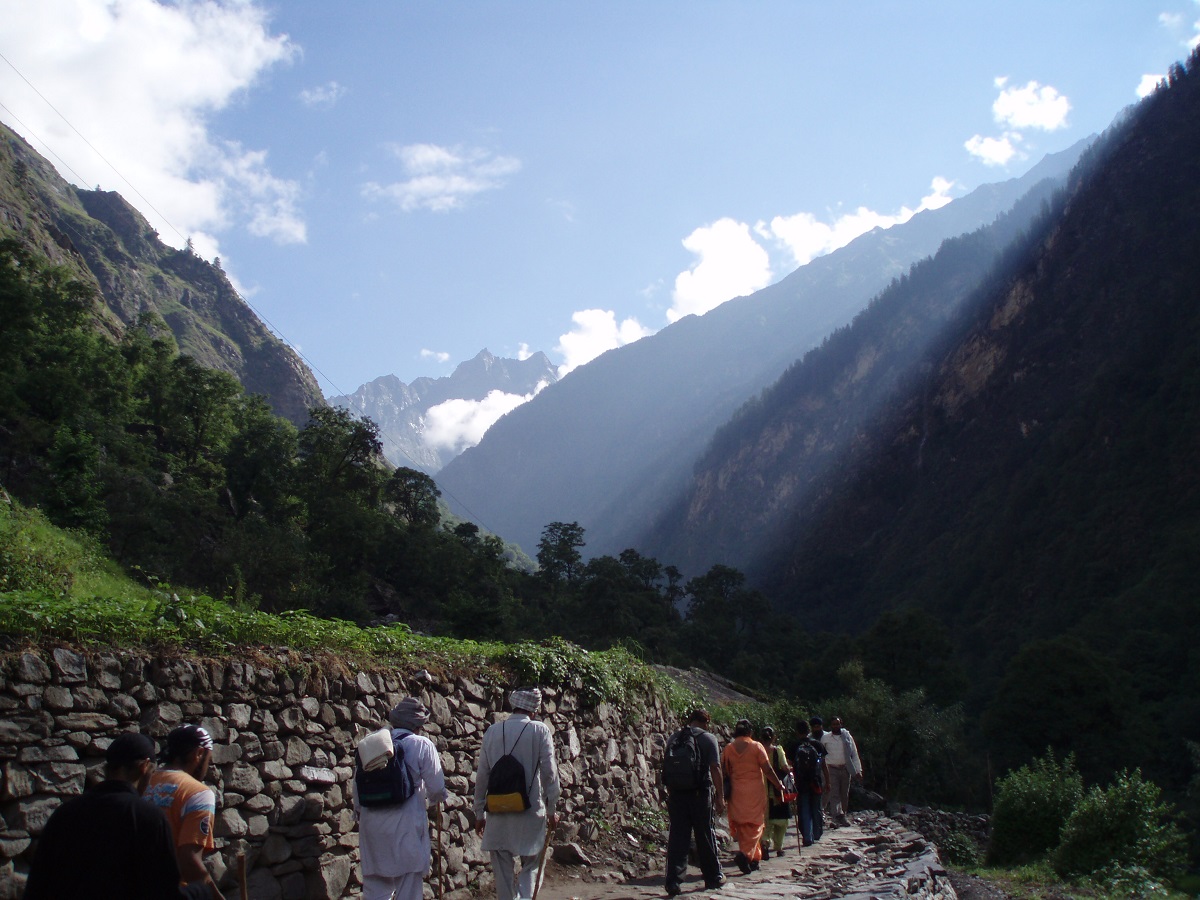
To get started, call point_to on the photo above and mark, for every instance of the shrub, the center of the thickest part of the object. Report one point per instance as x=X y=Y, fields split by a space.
x=1125 y=826
x=1032 y=805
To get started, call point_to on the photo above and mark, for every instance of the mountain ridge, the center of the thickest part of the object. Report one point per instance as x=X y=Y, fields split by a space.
x=100 y=237
x=614 y=440
x=400 y=409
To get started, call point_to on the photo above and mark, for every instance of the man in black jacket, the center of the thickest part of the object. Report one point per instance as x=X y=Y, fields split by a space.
x=109 y=844
x=690 y=809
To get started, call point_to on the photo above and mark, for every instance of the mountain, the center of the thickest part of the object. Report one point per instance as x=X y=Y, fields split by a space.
x=614 y=441
x=772 y=456
x=1028 y=477
x=401 y=410
x=104 y=241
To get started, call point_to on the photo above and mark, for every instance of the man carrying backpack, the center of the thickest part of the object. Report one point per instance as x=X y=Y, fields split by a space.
x=691 y=775
x=811 y=776
x=391 y=801
x=516 y=788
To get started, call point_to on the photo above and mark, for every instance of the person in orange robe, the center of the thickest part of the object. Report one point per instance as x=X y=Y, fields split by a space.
x=745 y=763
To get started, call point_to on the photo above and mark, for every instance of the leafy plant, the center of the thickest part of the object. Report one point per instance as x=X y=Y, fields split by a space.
x=1125 y=826
x=1032 y=804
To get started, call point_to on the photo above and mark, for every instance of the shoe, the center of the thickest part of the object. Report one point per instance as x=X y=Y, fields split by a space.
x=716 y=885
x=754 y=865
x=673 y=890
x=766 y=851
x=742 y=862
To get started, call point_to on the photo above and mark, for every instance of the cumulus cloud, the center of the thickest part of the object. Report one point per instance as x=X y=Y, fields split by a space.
x=1147 y=85
x=436 y=355
x=458 y=424
x=323 y=96
x=595 y=331
x=523 y=351
x=120 y=95
x=805 y=237
x=442 y=178
x=730 y=263
x=1031 y=106
x=992 y=151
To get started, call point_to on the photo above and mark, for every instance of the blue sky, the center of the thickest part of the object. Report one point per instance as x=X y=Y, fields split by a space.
x=395 y=186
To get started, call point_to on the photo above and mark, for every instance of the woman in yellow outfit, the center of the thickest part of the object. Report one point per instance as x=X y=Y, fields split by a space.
x=745 y=763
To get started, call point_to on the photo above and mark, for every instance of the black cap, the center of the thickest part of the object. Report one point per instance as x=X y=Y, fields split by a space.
x=816 y=720
x=183 y=740
x=129 y=748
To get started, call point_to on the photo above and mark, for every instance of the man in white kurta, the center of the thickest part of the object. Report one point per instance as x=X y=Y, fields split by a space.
x=394 y=840
x=507 y=836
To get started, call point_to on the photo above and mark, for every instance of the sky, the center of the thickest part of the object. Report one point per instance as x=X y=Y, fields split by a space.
x=394 y=186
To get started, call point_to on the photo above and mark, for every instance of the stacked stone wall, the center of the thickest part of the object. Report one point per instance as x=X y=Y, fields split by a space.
x=283 y=760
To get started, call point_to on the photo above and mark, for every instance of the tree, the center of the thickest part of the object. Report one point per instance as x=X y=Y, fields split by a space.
x=558 y=552
x=414 y=496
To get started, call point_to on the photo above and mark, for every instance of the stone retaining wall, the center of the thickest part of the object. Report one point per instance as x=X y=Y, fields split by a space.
x=282 y=764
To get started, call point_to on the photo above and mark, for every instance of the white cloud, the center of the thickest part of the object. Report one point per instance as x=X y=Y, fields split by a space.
x=171 y=66
x=1032 y=106
x=442 y=178
x=323 y=96
x=435 y=355
x=731 y=263
x=458 y=424
x=805 y=237
x=1178 y=22
x=992 y=151
x=1147 y=85
x=523 y=351
x=595 y=331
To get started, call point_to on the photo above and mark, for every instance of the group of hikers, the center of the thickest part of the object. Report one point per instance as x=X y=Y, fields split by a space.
x=143 y=833
x=755 y=785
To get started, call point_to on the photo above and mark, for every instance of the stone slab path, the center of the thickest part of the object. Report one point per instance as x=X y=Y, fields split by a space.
x=872 y=858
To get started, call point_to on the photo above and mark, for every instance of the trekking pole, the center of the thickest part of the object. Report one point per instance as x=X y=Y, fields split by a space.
x=541 y=870
x=441 y=863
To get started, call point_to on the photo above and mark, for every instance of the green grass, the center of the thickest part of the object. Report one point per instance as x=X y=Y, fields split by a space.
x=59 y=587
x=1038 y=881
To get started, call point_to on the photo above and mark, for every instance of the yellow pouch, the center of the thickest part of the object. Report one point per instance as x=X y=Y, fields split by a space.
x=506 y=803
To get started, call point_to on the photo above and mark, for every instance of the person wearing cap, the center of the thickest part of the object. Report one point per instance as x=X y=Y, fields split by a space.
x=394 y=840
x=817 y=733
x=844 y=766
x=107 y=844
x=178 y=789
x=509 y=835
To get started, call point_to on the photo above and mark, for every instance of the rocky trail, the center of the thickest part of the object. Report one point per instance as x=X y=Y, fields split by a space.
x=872 y=858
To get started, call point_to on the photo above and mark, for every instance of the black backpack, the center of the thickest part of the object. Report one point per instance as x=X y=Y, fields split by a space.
x=683 y=769
x=507 y=789
x=808 y=772
x=388 y=786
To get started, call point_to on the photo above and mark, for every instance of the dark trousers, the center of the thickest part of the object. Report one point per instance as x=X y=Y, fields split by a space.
x=808 y=811
x=690 y=814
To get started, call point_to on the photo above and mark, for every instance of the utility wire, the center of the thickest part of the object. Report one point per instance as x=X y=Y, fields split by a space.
x=278 y=332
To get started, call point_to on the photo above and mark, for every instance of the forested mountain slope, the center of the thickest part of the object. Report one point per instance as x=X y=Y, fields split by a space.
x=1031 y=480
x=107 y=242
x=611 y=443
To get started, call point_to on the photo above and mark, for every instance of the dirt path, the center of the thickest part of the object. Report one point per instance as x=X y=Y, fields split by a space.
x=873 y=856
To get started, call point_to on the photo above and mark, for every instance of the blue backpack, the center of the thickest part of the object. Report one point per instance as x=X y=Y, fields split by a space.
x=387 y=786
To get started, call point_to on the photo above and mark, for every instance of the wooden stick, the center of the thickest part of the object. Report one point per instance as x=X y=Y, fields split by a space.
x=243 y=887
x=541 y=870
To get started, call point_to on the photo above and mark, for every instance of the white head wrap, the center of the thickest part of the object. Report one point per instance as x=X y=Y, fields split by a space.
x=526 y=699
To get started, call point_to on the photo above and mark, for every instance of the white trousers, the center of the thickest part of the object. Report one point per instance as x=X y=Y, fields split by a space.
x=508 y=880
x=397 y=887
